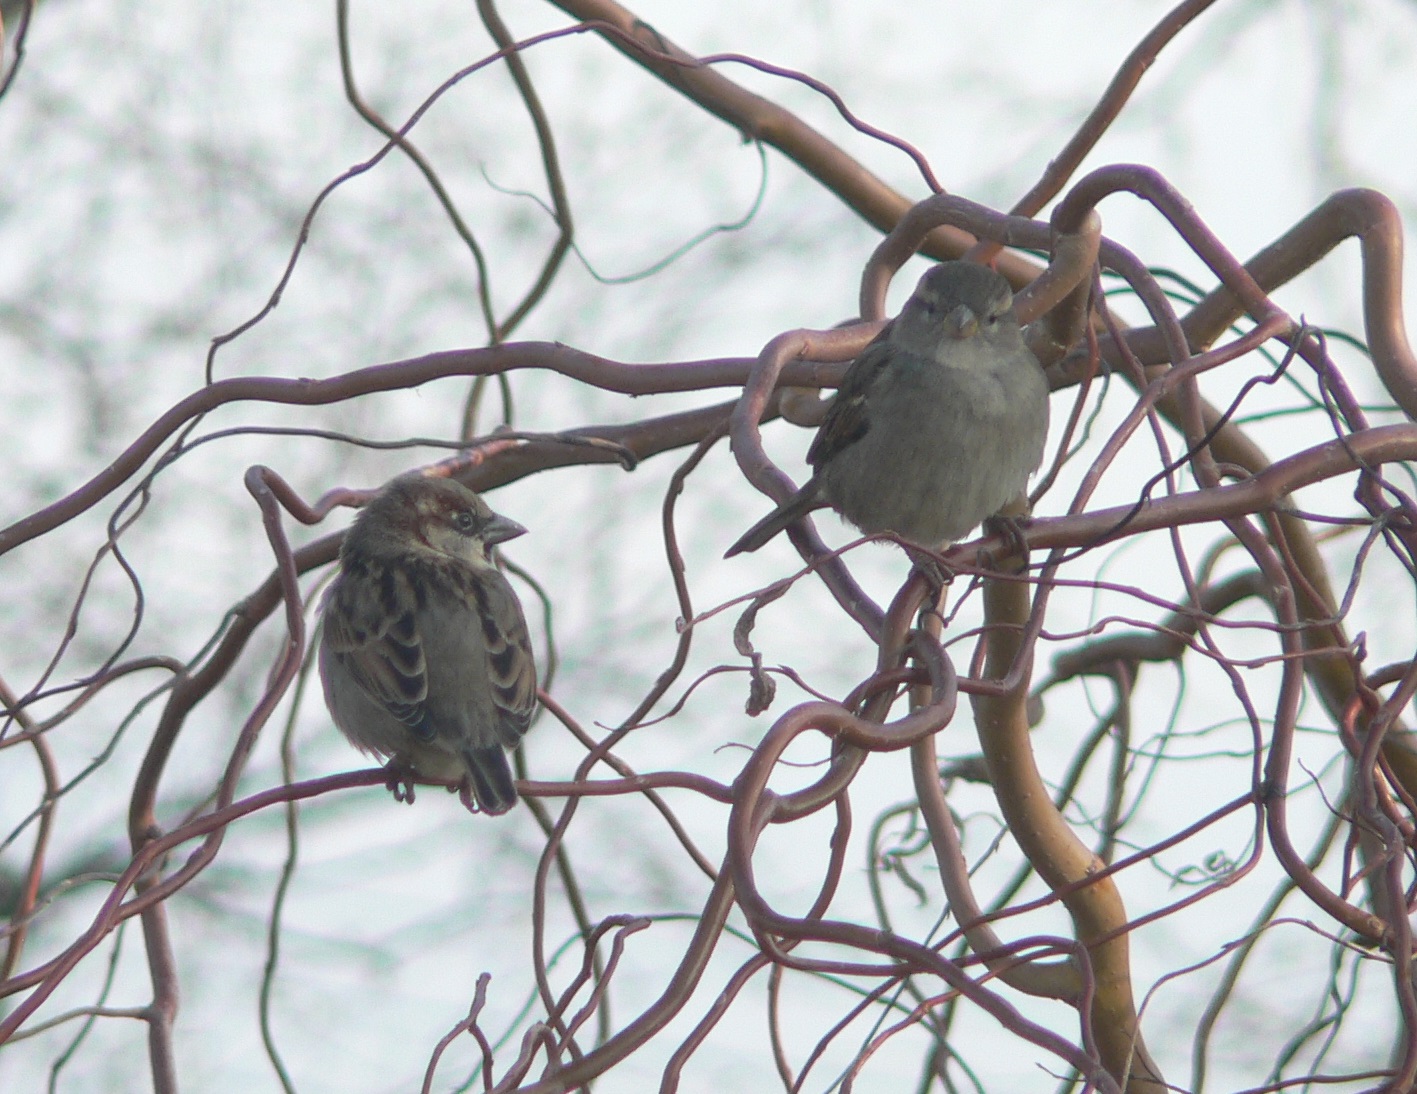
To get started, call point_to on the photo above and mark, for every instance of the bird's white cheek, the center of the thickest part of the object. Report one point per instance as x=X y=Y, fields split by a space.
x=473 y=553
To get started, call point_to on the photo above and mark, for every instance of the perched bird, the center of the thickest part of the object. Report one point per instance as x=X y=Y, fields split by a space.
x=425 y=657
x=937 y=425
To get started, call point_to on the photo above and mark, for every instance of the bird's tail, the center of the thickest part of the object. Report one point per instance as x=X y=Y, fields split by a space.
x=491 y=778
x=796 y=507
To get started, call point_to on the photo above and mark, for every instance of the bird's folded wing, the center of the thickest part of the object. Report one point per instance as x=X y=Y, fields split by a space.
x=511 y=668
x=383 y=653
x=846 y=420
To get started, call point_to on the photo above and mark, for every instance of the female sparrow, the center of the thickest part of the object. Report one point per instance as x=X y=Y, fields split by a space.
x=425 y=657
x=937 y=425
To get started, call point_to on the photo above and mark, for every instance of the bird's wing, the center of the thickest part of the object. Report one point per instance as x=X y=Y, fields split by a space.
x=511 y=667
x=846 y=420
x=483 y=691
x=381 y=649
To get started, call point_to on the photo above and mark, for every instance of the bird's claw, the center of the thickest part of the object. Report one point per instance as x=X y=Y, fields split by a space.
x=933 y=569
x=398 y=778
x=1010 y=529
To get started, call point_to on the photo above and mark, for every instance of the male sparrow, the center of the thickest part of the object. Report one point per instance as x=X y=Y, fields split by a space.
x=425 y=657
x=937 y=425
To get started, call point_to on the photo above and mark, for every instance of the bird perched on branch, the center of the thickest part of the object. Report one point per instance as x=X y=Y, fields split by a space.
x=937 y=425
x=425 y=657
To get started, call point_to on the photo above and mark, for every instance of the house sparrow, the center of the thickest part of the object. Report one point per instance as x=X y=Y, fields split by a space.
x=937 y=425
x=425 y=657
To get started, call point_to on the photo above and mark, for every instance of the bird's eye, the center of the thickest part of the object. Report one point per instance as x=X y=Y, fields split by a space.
x=464 y=521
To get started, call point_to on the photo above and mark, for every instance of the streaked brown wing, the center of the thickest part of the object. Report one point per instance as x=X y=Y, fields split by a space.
x=511 y=666
x=846 y=420
x=381 y=650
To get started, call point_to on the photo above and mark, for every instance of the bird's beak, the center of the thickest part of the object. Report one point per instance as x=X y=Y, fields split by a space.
x=961 y=322
x=500 y=529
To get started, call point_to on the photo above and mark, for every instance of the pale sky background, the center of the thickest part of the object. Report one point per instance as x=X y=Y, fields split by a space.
x=156 y=160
